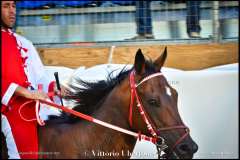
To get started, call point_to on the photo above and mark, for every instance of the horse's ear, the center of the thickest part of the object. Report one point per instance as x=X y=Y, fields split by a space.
x=159 y=62
x=139 y=64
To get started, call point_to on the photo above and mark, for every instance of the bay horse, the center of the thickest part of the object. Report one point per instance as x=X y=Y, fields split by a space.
x=112 y=101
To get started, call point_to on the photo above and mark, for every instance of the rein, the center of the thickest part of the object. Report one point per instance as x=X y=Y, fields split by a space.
x=139 y=136
x=155 y=139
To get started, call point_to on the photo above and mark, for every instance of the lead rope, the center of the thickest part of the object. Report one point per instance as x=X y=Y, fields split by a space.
x=37 y=105
x=139 y=136
x=105 y=124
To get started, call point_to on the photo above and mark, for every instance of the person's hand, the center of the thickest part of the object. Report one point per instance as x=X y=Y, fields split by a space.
x=63 y=90
x=38 y=95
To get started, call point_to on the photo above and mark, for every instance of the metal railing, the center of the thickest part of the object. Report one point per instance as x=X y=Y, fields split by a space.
x=109 y=23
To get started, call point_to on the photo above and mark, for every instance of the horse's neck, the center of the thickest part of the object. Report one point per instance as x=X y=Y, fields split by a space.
x=114 y=110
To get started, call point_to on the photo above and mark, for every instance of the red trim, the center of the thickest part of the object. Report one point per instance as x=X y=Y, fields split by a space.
x=130 y=108
x=139 y=106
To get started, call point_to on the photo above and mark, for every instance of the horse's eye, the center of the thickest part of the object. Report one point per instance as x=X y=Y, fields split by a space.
x=153 y=102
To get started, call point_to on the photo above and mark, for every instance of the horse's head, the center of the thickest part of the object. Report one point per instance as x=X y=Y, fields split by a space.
x=158 y=100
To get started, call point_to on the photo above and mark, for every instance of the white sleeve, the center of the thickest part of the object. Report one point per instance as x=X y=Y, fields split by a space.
x=38 y=70
x=35 y=69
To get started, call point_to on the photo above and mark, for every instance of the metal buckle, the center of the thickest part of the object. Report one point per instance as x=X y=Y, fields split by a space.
x=161 y=145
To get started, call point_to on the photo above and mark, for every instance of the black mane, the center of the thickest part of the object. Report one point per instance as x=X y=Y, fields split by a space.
x=89 y=98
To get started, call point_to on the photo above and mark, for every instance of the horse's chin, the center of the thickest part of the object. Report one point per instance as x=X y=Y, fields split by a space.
x=175 y=155
x=186 y=156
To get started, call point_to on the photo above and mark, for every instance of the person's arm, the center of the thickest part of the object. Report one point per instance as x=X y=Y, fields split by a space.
x=36 y=95
x=10 y=89
x=37 y=70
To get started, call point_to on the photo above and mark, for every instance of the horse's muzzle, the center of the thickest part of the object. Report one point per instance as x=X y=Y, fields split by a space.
x=186 y=150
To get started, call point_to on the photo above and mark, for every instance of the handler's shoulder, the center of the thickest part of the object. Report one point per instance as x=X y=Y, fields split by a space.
x=23 y=39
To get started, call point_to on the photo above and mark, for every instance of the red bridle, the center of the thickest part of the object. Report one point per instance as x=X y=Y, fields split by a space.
x=151 y=128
